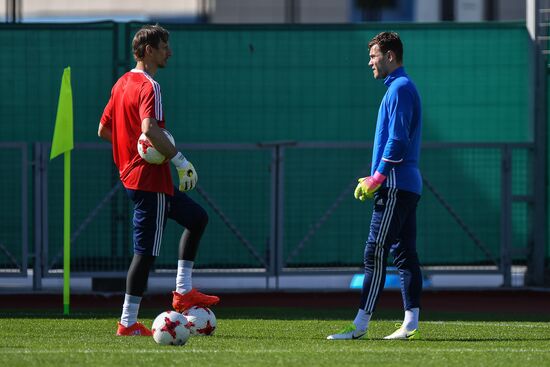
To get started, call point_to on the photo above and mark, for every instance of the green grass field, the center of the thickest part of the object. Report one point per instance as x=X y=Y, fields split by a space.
x=274 y=337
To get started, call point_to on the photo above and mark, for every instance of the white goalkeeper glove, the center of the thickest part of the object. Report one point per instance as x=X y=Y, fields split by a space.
x=186 y=172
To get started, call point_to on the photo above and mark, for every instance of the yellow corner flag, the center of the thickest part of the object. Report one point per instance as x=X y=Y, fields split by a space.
x=63 y=143
x=63 y=131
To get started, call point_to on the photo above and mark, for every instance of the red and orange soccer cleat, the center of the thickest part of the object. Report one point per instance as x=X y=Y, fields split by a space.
x=137 y=329
x=182 y=302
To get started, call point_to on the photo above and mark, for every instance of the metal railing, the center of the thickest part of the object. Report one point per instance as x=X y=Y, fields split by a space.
x=289 y=245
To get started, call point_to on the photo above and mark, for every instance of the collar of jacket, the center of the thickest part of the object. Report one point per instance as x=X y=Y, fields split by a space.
x=400 y=71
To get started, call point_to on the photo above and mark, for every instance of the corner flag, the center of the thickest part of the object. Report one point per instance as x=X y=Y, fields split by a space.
x=63 y=142
x=63 y=131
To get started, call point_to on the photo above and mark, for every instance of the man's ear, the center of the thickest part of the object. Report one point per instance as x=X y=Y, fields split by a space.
x=148 y=49
x=391 y=56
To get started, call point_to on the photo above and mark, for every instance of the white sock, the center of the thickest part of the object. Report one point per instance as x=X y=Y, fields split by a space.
x=130 y=310
x=184 y=282
x=410 y=322
x=362 y=319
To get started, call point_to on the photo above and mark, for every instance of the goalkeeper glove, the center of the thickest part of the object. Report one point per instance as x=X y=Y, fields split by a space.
x=367 y=186
x=186 y=172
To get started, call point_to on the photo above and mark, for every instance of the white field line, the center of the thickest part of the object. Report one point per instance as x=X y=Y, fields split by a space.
x=261 y=351
x=542 y=325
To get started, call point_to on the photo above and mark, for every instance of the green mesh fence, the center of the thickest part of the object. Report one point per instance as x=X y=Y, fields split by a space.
x=234 y=188
x=458 y=217
x=248 y=84
x=13 y=243
x=475 y=203
x=313 y=83
x=34 y=62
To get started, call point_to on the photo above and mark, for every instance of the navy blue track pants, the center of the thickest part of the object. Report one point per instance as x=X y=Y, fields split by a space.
x=151 y=209
x=392 y=229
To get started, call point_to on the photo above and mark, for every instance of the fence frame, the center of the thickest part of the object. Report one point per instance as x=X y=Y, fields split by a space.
x=22 y=267
x=275 y=267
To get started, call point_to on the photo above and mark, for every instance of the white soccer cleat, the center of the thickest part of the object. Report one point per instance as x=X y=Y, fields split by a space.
x=348 y=333
x=402 y=334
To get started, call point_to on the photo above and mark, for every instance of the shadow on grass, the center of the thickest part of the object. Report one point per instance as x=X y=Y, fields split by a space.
x=281 y=313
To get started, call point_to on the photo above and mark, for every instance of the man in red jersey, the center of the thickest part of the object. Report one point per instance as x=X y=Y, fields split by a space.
x=135 y=107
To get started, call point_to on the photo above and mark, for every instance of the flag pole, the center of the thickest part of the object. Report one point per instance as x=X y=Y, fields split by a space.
x=67 y=233
x=63 y=143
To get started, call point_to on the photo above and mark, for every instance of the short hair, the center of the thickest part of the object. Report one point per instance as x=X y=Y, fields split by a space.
x=388 y=41
x=148 y=35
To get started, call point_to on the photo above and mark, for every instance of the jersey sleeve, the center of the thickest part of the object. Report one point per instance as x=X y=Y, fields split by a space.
x=400 y=108
x=150 y=105
x=107 y=117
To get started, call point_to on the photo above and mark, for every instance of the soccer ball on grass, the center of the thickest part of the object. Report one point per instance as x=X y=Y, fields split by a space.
x=170 y=328
x=202 y=320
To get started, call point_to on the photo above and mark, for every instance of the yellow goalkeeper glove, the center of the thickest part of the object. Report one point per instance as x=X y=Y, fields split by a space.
x=186 y=172
x=367 y=186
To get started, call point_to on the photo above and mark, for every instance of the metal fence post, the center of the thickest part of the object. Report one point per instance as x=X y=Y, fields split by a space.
x=506 y=216
x=37 y=173
x=538 y=118
x=276 y=242
x=46 y=148
x=280 y=209
x=24 y=208
x=273 y=218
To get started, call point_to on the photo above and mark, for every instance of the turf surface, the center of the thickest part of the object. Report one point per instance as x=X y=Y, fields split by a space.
x=275 y=337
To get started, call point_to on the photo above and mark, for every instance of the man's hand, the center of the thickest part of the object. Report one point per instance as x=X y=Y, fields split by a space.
x=186 y=172
x=367 y=186
x=188 y=177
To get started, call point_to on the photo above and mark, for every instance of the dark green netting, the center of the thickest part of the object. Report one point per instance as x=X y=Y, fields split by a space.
x=248 y=84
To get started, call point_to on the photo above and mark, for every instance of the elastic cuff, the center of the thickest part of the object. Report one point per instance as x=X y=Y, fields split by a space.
x=378 y=177
x=179 y=160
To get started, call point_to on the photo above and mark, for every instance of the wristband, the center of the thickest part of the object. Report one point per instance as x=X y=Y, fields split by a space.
x=378 y=178
x=179 y=160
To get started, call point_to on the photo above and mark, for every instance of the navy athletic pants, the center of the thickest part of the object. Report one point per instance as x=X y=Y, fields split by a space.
x=150 y=212
x=392 y=229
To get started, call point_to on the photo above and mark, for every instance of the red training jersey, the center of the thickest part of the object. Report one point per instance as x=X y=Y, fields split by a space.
x=134 y=97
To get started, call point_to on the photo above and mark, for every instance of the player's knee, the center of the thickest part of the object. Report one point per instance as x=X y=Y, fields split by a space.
x=202 y=219
x=371 y=255
x=410 y=261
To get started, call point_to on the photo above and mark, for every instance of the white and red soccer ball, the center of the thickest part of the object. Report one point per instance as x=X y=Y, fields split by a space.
x=202 y=321
x=148 y=152
x=171 y=328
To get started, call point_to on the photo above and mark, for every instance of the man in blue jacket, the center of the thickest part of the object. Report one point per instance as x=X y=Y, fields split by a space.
x=395 y=186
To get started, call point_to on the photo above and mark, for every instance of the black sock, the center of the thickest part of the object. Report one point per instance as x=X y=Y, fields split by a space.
x=138 y=274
